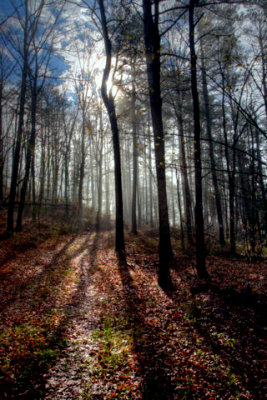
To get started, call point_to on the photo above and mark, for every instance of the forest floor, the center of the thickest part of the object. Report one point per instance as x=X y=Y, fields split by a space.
x=76 y=323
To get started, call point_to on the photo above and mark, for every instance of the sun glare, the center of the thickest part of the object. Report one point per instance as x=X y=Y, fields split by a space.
x=109 y=84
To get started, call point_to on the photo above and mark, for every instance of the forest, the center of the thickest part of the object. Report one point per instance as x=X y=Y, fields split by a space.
x=133 y=199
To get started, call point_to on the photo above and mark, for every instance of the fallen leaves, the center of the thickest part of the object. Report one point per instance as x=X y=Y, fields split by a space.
x=84 y=326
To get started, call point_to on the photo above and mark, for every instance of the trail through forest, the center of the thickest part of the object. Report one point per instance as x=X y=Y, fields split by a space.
x=79 y=324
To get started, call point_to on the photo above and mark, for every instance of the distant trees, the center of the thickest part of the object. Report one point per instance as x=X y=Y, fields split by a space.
x=6 y=68
x=26 y=44
x=37 y=66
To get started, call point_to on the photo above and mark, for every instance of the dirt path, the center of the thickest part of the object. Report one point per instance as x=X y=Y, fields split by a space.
x=78 y=324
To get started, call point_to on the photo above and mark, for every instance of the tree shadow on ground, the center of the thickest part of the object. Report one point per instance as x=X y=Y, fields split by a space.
x=32 y=385
x=19 y=289
x=154 y=363
x=228 y=330
x=88 y=268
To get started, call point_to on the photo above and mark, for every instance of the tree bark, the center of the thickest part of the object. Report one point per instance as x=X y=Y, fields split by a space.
x=186 y=189
x=200 y=241
x=152 y=49
x=135 y=154
x=16 y=155
x=110 y=106
x=81 y=172
x=211 y=154
x=100 y=173
x=1 y=142
x=29 y=155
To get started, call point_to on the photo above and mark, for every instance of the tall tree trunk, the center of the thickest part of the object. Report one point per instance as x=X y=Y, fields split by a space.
x=55 y=165
x=92 y=175
x=150 y=183
x=1 y=143
x=152 y=49
x=42 y=168
x=81 y=172
x=232 y=186
x=110 y=106
x=200 y=241
x=29 y=155
x=264 y=69
x=16 y=155
x=187 y=194
x=66 y=175
x=135 y=154
x=107 y=190
x=48 y=169
x=100 y=174
x=33 y=188
x=262 y=185
x=211 y=153
x=179 y=207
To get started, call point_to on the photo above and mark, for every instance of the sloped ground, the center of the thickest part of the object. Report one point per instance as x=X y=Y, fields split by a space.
x=78 y=324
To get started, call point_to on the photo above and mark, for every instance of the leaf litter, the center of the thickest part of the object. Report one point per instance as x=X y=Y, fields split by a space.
x=77 y=323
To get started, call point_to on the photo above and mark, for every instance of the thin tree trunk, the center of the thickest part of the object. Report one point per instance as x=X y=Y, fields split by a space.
x=200 y=241
x=16 y=156
x=232 y=188
x=100 y=174
x=180 y=208
x=81 y=174
x=264 y=72
x=187 y=194
x=211 y=154
x=33 y=189
x=29 y=155
x=42 y=170
x=107 y=190
x=135 y=154
x=150 y=184
x=262 y=185
x=1 y=143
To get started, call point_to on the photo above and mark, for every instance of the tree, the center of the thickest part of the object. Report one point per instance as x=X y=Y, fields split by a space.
x=6 y=69
x=200 y=240
x=152 y=50
x=24 y=53
x=110 y=106
x=41 y=50
x=211 y=152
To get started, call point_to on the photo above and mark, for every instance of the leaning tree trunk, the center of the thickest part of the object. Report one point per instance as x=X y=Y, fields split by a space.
x=200 y=241
x=110 y=106
x=152 y=48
